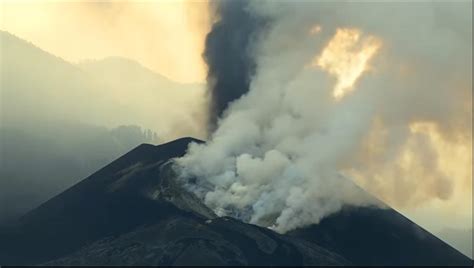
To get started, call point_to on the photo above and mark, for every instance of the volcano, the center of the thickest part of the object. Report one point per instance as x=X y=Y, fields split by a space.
x=134 y=212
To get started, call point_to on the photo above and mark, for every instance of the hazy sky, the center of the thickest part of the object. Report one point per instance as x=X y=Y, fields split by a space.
x=165 y=36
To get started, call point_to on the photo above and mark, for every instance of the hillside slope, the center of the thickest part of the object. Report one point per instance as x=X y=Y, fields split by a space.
x=133 y=212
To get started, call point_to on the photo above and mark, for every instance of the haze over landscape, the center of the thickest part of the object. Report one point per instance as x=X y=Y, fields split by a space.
x=377 y=93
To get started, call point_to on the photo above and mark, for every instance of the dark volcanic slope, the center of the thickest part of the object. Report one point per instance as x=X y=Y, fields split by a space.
x=92 y=209
x=188 y=241
x=132 y=212
x=374 y=236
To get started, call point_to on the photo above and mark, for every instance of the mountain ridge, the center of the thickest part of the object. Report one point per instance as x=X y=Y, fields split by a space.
x=127 y=65
x=39 y=84
x=7 y=38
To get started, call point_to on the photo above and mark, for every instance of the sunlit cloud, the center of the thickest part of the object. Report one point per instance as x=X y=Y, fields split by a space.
x=346 y=57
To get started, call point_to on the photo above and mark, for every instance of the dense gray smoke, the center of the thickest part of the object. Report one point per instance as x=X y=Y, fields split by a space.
x=229 y=54
x=282 y=154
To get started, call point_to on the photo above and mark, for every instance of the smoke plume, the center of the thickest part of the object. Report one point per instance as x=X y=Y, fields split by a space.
x=376 y=93
x=229 y=54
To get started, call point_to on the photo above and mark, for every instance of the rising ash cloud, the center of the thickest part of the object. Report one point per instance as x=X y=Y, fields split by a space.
x=229 y=54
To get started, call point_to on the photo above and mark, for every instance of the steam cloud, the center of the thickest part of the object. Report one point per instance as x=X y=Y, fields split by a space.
x=229 y=54
x=283 y=153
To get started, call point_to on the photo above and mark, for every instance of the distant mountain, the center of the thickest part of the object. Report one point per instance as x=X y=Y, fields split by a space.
x=128 y=73
x=64 y=121
x=153 y=98
x=58 y=155
x=37 y=85
x=134 y=212
x=109 y=92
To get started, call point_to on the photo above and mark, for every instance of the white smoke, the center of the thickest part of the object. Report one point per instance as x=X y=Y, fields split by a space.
x=278 y=155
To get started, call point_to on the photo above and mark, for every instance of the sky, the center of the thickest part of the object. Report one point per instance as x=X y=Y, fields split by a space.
x=168 y=37
x=165 y=36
